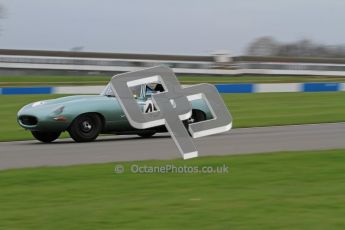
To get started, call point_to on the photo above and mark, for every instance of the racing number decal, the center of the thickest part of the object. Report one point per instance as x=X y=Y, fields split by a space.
x=149 y=107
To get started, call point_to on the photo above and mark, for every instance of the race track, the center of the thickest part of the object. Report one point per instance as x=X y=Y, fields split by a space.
x=127 y=148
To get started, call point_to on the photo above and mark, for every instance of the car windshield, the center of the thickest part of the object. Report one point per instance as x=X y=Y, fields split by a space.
x=108 y=91
x=149 y=91
x=153 y=88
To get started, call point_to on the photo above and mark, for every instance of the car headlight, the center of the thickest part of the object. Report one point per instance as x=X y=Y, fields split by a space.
x=59 y=110
x=38 y=103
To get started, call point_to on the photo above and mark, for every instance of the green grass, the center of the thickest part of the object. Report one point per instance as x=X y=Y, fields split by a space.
x=302 y=190
x=267 y=109
x=248 y=110
x=30 y=80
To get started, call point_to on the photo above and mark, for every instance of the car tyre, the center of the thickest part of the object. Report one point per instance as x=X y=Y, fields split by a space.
x=85 y=128
x=197 y=116
x=46 y=137
x=147 y=134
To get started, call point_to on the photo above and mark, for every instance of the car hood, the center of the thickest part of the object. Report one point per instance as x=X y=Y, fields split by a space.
x=73 y=99
x=62 y=101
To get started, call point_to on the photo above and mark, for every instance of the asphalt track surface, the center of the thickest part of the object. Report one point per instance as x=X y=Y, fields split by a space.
x=21 y=154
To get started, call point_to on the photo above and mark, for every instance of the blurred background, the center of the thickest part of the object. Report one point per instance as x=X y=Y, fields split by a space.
x=195 y=37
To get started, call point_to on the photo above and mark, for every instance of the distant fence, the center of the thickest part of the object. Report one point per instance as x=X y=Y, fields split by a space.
x=63 y=62
x=222 y=88
x=119 y=69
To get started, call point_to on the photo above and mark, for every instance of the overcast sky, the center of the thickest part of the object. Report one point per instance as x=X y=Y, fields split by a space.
x=167 y=26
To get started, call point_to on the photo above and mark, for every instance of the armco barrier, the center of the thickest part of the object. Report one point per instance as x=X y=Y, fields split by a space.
x=235 y=88
x=277 y=88
x=321 y=87
x=26 y=90
x=222 y=88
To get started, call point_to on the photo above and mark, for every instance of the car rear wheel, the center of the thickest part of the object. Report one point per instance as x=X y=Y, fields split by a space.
x=197 y=115
x=46 y=137
x=146 y=134
x=85 y=128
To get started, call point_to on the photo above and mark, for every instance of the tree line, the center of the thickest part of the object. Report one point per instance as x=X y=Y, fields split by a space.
x=268 y=46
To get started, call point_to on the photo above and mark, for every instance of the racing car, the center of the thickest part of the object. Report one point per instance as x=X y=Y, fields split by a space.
x=84 y=117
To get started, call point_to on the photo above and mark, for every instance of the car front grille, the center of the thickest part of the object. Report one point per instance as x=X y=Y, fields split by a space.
x=28 y=120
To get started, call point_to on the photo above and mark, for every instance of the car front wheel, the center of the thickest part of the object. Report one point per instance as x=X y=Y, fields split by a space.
x=46 y=137
x=85 y=128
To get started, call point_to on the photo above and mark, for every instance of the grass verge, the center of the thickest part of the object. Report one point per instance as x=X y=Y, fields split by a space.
x=248 y=110
x=301 y=190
